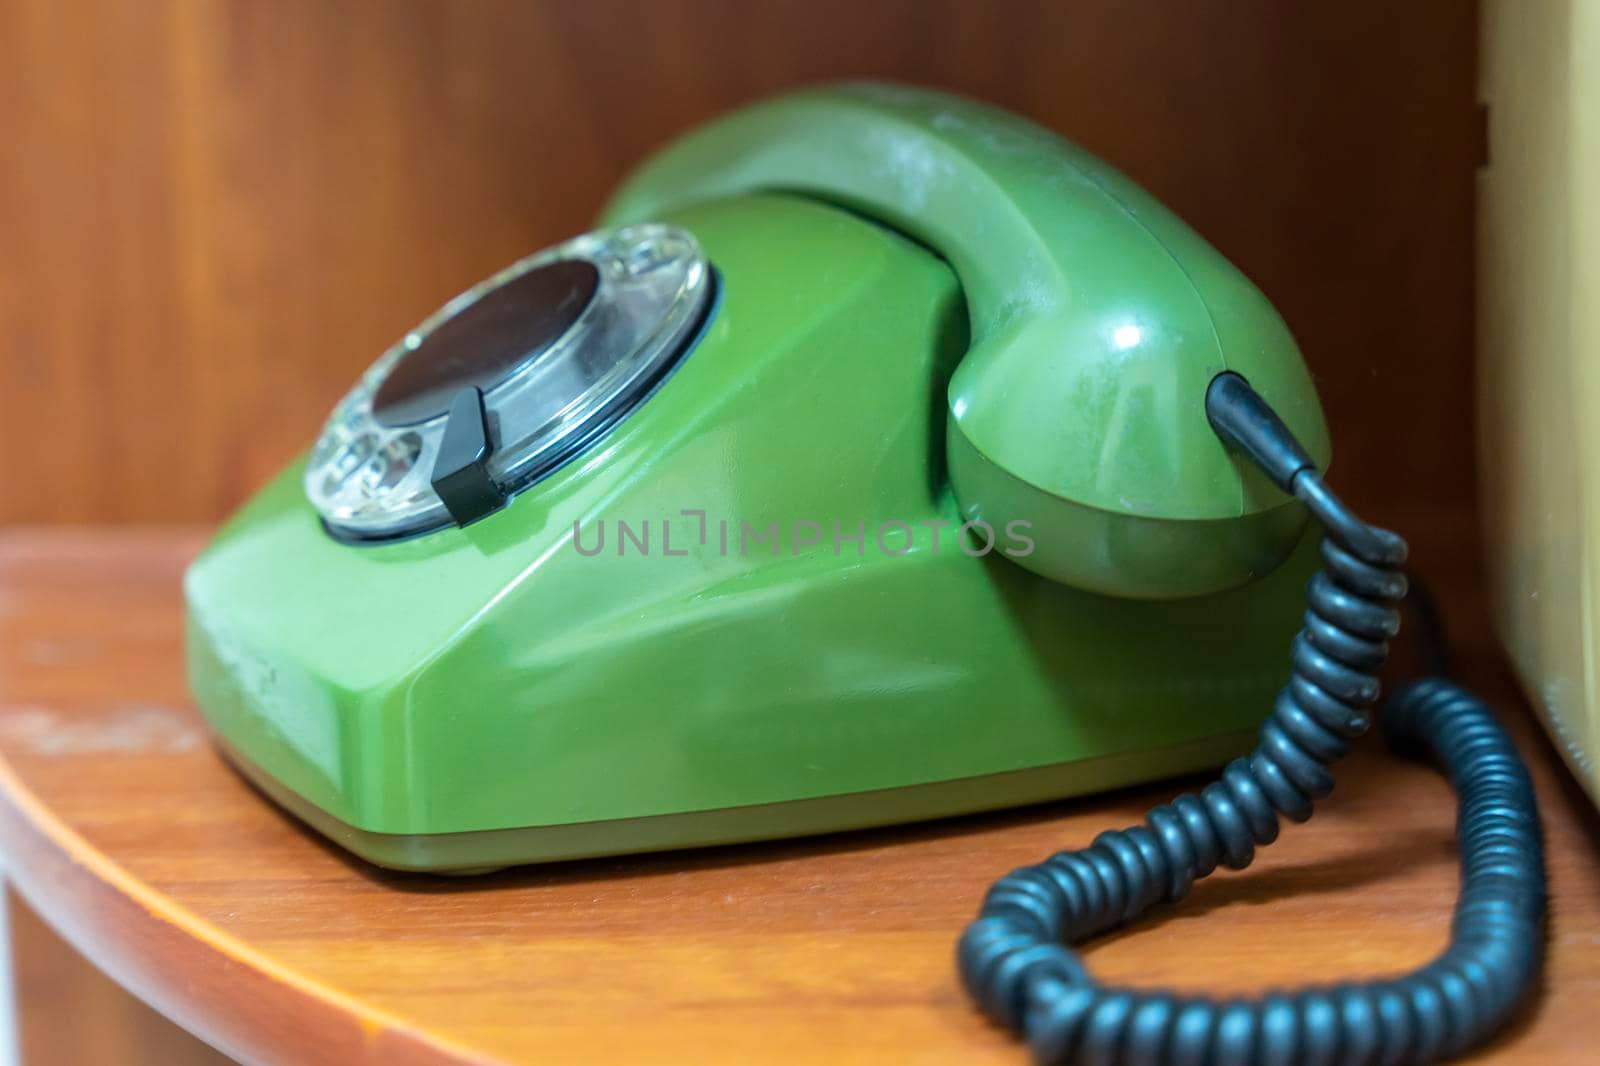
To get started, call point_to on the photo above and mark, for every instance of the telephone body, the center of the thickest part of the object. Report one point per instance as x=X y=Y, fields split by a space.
x=923 y=326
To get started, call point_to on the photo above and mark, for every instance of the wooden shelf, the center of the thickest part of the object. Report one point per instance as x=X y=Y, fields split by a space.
x=122 y=826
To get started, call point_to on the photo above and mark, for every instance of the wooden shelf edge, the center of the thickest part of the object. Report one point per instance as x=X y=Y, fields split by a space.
x=216 y=987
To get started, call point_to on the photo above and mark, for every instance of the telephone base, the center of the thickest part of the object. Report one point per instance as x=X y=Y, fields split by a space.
x=483 y=852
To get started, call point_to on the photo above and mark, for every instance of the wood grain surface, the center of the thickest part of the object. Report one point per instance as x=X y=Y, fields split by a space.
x=125 y=829
x=213 y=213
x=69 y=1013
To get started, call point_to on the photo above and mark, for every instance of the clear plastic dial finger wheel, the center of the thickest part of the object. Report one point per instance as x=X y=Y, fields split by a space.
x=562 y=345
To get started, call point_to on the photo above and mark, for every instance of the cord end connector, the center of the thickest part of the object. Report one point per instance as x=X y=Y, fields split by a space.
x=1246 y=422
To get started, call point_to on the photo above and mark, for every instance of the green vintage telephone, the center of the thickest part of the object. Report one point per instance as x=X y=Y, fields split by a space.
x=882 y=457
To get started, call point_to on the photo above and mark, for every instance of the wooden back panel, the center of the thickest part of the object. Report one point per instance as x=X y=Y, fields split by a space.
x=212 y=215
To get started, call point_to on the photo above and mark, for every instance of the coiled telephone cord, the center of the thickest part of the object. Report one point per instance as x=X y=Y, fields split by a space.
x=1015 y=959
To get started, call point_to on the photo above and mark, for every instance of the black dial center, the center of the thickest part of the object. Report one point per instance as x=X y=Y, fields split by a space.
x=486 y=342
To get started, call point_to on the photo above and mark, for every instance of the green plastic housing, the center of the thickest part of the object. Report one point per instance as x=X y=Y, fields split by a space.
x=504 y=693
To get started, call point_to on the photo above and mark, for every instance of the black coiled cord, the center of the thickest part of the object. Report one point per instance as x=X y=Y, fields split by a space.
x=1014 y=959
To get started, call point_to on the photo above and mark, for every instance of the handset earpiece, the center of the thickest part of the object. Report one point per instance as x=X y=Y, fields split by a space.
x=1097 y=320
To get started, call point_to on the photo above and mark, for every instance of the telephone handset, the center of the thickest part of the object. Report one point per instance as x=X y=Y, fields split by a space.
x=1096 y=317
x=815 y=337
